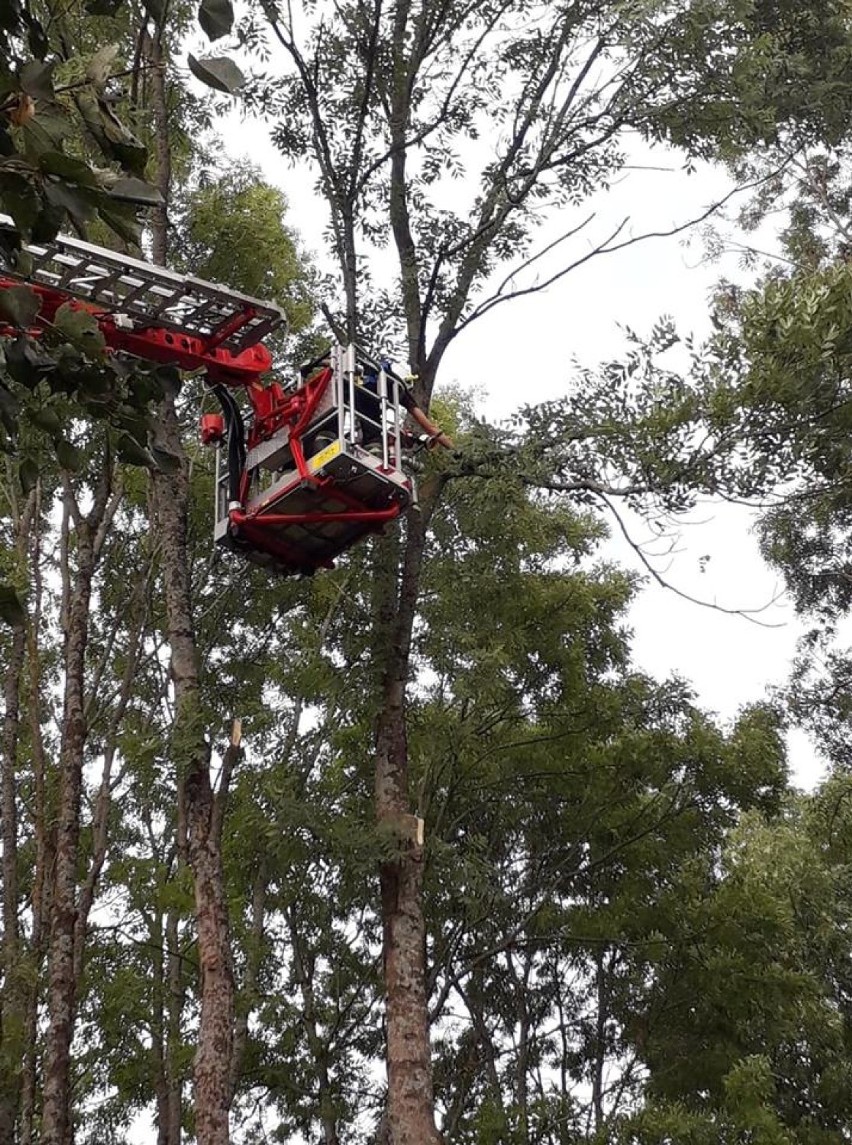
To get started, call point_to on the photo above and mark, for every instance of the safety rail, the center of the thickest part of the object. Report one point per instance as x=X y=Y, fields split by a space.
x=365 y=416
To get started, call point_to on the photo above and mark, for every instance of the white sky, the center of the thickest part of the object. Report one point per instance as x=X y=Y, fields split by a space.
x=522 y=352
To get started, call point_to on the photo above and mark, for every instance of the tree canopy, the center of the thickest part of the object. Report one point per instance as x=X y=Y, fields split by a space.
x=416 y=851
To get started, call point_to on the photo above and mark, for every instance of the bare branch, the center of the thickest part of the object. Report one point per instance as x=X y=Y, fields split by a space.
x=749 y=614
x=608 y=246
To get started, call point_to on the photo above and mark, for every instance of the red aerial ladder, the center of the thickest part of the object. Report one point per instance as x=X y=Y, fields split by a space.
x=302 y=471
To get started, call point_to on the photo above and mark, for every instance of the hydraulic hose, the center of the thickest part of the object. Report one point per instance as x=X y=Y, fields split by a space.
x=236 y=440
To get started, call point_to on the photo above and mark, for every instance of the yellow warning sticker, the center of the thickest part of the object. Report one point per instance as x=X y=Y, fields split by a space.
x=324 y=456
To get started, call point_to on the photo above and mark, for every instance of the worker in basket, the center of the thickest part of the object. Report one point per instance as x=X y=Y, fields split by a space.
x=369 y=410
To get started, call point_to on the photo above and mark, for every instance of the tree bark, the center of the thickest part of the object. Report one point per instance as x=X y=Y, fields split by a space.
x=13 y=1001
x=522 y=1018
x=174 y=1011
x=303 y=972
x=57 y=1128
x=168 y=987
x=103 y=802
x=409 y=1117
x=214 y=1055
x=410 y=1096
x=216 y=1030
x=603 y=968
x=158 y=1025
x=254 y=958
x=410 y=1109
x=162 y=145
x=41 y=891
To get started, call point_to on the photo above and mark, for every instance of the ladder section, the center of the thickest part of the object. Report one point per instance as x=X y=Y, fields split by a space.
x=142 y=295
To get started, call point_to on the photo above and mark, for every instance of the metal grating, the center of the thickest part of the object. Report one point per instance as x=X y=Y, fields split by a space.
x=148 y=295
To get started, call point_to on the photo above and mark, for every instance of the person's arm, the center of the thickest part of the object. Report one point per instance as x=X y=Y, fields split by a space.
x=434 y=432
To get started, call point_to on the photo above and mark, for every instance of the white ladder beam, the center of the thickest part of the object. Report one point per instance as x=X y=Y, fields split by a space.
x=148 y=295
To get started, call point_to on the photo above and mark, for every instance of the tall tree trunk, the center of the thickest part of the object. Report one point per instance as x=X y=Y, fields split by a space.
x=162 y=145
x=410 y=1110
x=170 y=1085
x=174 y=1013
x=135 y=616
x=41 y=890
x=62 y=985
x=204 y=810
x=303 y=974
x=157 y=940
x=603 y=966
x=168 y=1011
x=253 y=963
x=65 y=957
x=409 y=1117
x=13 y=1000
x=522 y=1019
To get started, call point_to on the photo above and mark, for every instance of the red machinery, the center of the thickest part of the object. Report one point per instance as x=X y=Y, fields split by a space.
x=311 y=468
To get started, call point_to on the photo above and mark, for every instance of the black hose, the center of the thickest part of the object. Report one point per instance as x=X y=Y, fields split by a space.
x=236 y=439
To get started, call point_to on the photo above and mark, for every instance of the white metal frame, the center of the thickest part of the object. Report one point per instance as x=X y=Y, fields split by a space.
x=144 y=294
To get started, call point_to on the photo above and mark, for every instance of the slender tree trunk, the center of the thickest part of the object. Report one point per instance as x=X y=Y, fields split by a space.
x=487 y=1050
x=522 y=1019
x=156 y=938
x=64 y=958
x=601 y=1016
x=174 y=1013
x=103 y=802
x=41 y=890
x=410 y=1110
x=214 y=1056
x=319 y=1049
x=409 y=1118
x=410 y=1096
x=254 y=960
x=62 y=986
x=349 y=262
x=13 y=998
x=162 y=147
x=168 y=1005
x=216 y=1029
x=203 y=810
x=170 y=1100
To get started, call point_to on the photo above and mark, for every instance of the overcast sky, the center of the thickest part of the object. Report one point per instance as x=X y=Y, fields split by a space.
x=522 y=352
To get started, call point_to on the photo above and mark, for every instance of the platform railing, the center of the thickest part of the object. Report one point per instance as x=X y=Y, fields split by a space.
x=348 y=365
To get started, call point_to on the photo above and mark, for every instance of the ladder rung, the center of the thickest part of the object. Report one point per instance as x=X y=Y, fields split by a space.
x=149 y=294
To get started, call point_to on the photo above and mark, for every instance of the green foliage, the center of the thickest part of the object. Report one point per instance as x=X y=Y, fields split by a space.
x=49 y=104
x=634 y=934
x=586 y=880
x=225 y=221
x=392 y=105
x=50 y=382
x=751 y=1025
x=217 y=72
x=66 y=153
x=736 y=73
